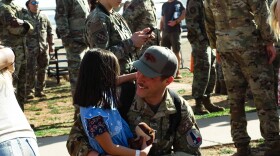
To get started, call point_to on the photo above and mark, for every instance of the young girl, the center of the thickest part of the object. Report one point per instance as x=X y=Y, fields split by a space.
x=97 y=97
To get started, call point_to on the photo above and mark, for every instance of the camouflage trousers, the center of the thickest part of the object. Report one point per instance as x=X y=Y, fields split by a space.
x=74 y=53
x=37 y=64
x=19 y=76
x=204 y=74
x=250 y=67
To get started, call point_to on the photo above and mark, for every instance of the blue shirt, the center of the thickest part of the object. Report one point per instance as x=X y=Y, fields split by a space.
x=98 y=120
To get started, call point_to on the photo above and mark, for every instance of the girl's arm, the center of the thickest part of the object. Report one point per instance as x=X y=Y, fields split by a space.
x=7 y=57
x=126 y=77
x=106 y=143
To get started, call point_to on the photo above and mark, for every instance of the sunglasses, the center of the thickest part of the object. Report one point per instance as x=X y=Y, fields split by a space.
x=34 y=2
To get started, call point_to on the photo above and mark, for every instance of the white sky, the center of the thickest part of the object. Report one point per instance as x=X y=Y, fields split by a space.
x=42 y=3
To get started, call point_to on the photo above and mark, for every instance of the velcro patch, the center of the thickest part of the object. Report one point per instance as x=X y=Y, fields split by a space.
x=101 y=37
x=194 y=138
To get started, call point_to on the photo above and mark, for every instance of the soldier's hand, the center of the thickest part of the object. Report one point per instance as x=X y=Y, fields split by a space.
x=139 y=38
x=271 y=52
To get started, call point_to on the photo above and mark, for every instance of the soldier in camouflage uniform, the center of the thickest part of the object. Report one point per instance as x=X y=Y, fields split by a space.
x=70 y=20
x=12 y=34
x=139 y=15
x=240 y=33
x=204 y=70
x=154 y=105
x=39 y=44
x=107 y=29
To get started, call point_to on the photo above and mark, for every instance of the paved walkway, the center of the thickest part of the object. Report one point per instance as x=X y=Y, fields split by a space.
x=214 y=131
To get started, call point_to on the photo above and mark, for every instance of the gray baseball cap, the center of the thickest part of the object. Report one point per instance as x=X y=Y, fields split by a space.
x=157 y=61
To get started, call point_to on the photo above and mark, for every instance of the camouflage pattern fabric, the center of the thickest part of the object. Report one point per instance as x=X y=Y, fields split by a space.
x=70 y=18
x=78 y=145
x=141 y=14
x=12 y=34
x=110 y=31
x=38 y=55
x=240 y=33
x=204 y=70
x=141 y=112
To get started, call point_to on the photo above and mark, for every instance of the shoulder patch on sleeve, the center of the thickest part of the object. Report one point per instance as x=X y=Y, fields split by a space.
x=194 y=138
x=99 y=32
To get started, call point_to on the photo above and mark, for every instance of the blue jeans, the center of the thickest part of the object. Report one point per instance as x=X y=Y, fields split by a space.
x=19 y=147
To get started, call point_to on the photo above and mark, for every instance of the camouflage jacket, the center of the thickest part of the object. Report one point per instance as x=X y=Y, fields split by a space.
x=42 y=30
x=141 y=112
x=78 y=144
x=141 y=14
x=110 y=31
x=12 y=27
x=237 y=24
x=70 y=19
x=195 y=21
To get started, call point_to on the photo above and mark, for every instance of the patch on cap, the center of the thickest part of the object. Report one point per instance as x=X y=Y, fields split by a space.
x=194 y=138
x=157 y=61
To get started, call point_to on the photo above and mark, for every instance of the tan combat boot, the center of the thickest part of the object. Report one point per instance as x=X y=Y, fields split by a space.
x=199 y=109
x=243 y=151
x=211 y=107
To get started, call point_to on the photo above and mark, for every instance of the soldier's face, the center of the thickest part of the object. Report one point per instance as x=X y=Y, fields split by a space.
x=150 y=88
x=115 y=3
x=33 y=6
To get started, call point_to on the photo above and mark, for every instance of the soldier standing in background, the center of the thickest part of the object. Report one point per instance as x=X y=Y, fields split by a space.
x=239 y=31
x=39 y=44
x=12 y=34
x=204 y=70
x=139 y=15
x=70 y=20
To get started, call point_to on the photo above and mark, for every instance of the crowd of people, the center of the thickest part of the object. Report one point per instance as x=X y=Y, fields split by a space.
x=108 y=52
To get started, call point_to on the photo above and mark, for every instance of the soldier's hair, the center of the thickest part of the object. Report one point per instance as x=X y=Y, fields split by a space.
x=272 y=19
x=96 y=85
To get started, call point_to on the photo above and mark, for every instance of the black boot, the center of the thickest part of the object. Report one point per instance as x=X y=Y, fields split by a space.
x=243 y=151
x=223 y=88
x=199 y=109
x=210 y=106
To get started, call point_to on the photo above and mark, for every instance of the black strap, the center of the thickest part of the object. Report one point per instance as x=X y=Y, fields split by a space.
x=174 y=119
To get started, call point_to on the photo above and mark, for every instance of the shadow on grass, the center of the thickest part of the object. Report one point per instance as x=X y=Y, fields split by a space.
x=35 y=101
x=56 y=125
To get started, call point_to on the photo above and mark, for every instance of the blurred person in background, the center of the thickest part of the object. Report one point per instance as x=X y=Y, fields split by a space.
x=13 y=30
x=204 y=74
x=172 y=13
x=39 y=44
x=16 y=136
x=139 y=15
x=239 y=31
x=70 y=20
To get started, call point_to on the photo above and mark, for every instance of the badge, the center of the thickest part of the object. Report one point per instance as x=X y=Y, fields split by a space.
x=194 y=138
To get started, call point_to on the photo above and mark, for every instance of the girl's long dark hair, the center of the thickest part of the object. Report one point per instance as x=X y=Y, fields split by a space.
x=96 y=84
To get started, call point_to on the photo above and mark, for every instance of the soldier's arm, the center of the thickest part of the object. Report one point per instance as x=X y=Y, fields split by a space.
x=260 y=10
x=61 y=18
x=50 y=35
x=97 y=35
x=188 y=137
x=13 y=24
x=134 y=10
x=210 y=25
x=77 y=142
